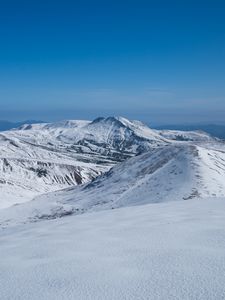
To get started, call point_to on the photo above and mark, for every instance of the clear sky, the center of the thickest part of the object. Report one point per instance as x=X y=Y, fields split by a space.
x=158 y=61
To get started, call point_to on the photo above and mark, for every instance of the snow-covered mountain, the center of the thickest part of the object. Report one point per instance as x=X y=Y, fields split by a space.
x=38 y=158
x=179 y=171
x=117 y=243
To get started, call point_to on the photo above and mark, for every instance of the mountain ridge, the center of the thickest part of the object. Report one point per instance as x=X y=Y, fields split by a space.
x=176 y=172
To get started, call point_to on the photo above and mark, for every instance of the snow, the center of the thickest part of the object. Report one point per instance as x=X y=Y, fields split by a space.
x=174 y=173
x=177 y=172
x=40 y=158
x=185 y=135
x=171 y=250
x=142 y=217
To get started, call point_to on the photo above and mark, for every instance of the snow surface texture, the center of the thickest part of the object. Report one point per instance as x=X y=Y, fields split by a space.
x=39 y=158
x=171 y=251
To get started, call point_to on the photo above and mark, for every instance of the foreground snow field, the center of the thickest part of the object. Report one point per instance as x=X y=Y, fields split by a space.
x=171 y=250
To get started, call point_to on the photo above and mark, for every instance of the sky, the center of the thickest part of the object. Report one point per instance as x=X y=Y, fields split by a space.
x=156 y=61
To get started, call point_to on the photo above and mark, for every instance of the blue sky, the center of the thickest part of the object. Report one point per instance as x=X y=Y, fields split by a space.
x=158 y=61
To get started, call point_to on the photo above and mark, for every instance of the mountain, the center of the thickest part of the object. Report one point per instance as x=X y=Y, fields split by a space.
x=174 y=172
x=214 y=130
x=40 y=158
x=6 y=125
x=143 y=214
x=37 y=158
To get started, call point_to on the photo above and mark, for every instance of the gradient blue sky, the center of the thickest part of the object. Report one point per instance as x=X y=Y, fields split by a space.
x=158 y=61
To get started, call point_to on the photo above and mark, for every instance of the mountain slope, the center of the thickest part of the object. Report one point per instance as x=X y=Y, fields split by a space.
x=168 y=173
x=214 y=130
x=38 y=158
x=170 y=251
x=172 y=173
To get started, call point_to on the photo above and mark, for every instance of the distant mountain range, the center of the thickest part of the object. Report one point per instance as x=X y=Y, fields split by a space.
x=215 y=130
x=212 y=129
x=6 y=125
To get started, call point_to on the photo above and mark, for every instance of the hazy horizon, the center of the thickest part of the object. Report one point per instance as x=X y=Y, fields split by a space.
x=147 y=121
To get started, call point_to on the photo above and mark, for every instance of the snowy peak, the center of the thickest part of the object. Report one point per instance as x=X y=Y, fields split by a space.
x=108 y=120
x=119 y=122
x=128 y=135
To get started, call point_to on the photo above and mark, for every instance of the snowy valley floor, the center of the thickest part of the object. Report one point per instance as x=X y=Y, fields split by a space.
x=172 y=250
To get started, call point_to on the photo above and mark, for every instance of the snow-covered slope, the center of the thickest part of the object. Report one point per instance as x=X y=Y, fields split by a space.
x=174 y=172
x=168 y=173
x=167 y=251
x=22 y=179
x=177 y=135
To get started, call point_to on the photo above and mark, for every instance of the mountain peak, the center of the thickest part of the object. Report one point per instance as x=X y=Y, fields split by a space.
x=119 y=121
x=110 y=119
